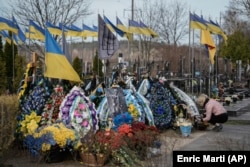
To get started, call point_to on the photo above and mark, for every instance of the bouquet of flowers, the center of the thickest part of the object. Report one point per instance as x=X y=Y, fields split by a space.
x=139 y=136
x=55 y=136
x=111 y=142
x=228 y=100
x=234 y=98
x=30 y=123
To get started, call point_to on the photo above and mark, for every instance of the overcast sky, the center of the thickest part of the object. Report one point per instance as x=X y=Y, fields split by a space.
x=122 y=9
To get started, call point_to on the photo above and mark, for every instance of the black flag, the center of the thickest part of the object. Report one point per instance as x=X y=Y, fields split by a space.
x=108 y=43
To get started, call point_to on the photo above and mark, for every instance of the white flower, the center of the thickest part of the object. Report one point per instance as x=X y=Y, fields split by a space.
x=234 y=96
x=228 y=99
x=79 y=120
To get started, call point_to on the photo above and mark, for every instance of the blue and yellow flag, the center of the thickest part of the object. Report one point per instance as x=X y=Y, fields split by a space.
x=73 y=31
x=20 y=33
x=134 y=27
x=216 y=29
x=95 y=28
x=197 y=22
x=122 y=27
x=37 y=31
x=89 y=32
x=6 y=37
x=8 y=25
x=113 y=28
x=30 y=35
x=55 y=30
x=148 y=30
x=207 y=40
x=57 y=65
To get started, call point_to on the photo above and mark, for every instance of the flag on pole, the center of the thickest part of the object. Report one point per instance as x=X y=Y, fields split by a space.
x=216 y=29
x=196 y=22
x=148 y=31
x=89 y=32
x=122 y=27
x=55 y=30
x=108 y=43
x=57 y=65
x=65 y=47
x=134 y=27
x=74 y=31
x=6 y=37
x=113 y=28
x=6 y=24
x=30 y=35
x=37 y=31
x=207 y=40
x=20 y=33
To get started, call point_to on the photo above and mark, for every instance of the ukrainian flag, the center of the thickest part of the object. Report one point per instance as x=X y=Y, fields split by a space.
x=20 y=33
x=6 y=37
x=196 y=22
x=148 y=31
x=74 y=31
x=6 y=24
x=207 y=40
x=89 y=32
x=122 y=27
x=54 y=29
x=134 y=27
x=37 y=31
x=113 y=28
x=30 y=35
x=57 y=65
x=216 y=29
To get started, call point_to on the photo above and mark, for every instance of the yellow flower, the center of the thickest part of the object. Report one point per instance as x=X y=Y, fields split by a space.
x=131 y=107
x=46 y=147
x=30 y=123
x=32 y=126
x=132 y=110
x=134 y=113
x=60 y=133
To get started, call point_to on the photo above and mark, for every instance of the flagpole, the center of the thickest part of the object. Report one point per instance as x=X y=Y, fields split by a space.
x=13 y=66
x=189 y=51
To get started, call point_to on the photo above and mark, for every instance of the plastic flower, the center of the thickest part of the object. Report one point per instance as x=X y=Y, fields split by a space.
x=30 y=123
x=82 y=106
x=133 y=110
x=61 y=134
x=125 y=129
x=228 y=99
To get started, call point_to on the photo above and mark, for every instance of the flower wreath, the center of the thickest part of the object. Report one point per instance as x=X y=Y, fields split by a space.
x=77 y=111
x=51 y=109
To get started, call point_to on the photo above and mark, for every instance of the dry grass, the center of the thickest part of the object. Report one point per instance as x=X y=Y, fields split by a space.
x=8 y=114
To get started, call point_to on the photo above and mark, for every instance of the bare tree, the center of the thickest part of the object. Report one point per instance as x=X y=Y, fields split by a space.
x=233 y=21
x=54 y=11
x=173 y=21
x=147 y=14
x=241 y=6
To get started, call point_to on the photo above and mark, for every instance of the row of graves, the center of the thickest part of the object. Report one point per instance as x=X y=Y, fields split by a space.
x=115 y=125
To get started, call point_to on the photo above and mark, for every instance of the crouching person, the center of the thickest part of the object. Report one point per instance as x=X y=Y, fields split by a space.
x=215 y=113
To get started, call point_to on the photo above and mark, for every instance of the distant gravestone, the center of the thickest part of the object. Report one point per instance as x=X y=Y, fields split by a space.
x=116 y=101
